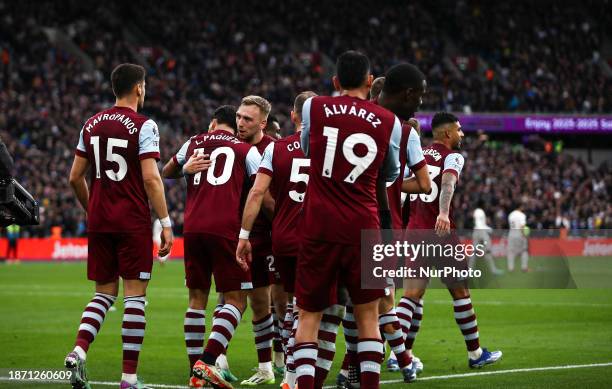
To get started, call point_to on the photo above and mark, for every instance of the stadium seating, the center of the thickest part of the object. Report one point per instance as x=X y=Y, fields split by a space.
x=199 y=56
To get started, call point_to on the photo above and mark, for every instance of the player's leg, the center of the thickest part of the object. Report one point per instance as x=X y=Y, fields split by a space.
x=132 y=329
x=328 y=330
x=234 y=283
x=194 y=325
x=524 y=256
x=306 y=346
x=290 y=373
x=279 y=310
x=391 y=330
x=91 y=323
x=102 y=267
x=223 y=328
x=263 y=323
x=198 y=273
x=317 y=269
x=511 y=254
x=135 y=258
x=349 y=370
x=370 y=351
x=465 y=317
x=285 y=266
x=263 y=331
x=412 y=301
x=222 y=363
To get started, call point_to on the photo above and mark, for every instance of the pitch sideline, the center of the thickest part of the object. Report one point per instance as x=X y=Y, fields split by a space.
x=438 y=377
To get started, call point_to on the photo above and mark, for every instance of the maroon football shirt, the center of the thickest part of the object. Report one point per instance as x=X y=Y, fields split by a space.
x=425 y=208
x=214 y=196
x=262 y=226
x=285 y=162
x=114 y=141
x=411 y=156
x=349 y=141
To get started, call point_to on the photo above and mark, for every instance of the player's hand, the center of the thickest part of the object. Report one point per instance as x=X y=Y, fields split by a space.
x=167 y=239
x=414 y=123
x=442 y=225
x=196 y=164
x=244 y=254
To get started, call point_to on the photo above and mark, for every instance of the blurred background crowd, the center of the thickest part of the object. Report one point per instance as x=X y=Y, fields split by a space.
x=478 y=56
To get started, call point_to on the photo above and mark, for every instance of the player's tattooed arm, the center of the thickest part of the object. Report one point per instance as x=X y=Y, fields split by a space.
x=447 y=189
x=78 y=182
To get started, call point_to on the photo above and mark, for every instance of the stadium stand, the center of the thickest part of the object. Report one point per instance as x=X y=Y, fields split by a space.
x=55 y=63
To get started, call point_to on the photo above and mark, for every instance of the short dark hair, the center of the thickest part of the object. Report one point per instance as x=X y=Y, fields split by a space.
x=226 y=114
x=272 y=118
x=299 y=101
x=442 y=118
x=352 y=68
x=401 y=77
x=125 y=76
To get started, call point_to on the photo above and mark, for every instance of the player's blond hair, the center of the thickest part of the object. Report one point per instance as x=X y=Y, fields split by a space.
x=264 y=105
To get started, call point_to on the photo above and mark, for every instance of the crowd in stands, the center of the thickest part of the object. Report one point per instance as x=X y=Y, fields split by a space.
x=554 y=190
x=541 y=58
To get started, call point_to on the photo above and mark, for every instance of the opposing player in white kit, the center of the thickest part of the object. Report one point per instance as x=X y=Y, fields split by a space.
x=517 y=239
x=482 y=236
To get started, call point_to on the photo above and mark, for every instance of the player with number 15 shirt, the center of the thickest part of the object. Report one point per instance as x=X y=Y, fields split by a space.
x=114 y=141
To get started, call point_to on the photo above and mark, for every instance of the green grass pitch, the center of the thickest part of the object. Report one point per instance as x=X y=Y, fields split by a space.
x=41 y=304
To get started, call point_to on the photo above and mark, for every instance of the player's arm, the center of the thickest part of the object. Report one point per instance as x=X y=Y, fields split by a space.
x=195 y=164
x=172 y=169
x=154 y=187
x=78 y=182
x=77 y=173
x=179 y=165
x=389 y=173
x=421 y=183
x=383 y=203
x=268 y=205
x=305 y=133
x=148 y=151
x=254 y=200
x=446 y=196
x=453 y=164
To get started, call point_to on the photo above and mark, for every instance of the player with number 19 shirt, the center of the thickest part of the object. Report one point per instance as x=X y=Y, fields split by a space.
x=349 y=141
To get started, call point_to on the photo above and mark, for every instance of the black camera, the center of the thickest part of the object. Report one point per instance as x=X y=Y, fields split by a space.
x=17 y=206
